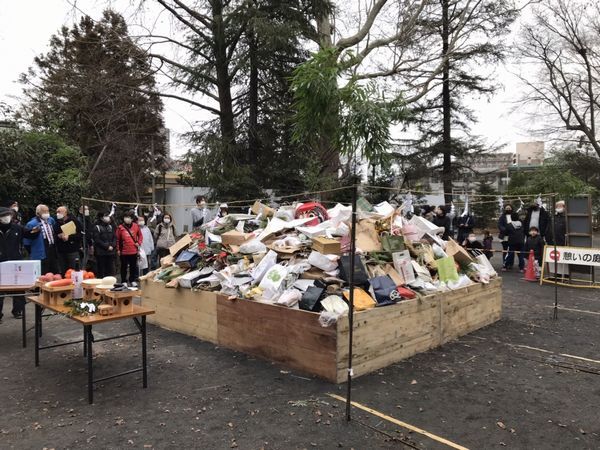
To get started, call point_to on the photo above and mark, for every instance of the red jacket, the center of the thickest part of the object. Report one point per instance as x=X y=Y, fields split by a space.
x=125 y=243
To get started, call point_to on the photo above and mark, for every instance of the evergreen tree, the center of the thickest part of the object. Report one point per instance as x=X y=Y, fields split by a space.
x=95 y=87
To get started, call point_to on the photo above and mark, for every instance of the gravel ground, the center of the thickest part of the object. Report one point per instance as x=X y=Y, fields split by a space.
x=492 y=388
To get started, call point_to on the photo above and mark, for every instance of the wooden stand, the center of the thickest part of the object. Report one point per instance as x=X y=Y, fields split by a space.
x=56 y=296
x=121 y=301
x=91 y=294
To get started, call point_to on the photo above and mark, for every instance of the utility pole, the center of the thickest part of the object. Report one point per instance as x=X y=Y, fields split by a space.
x=153 y=170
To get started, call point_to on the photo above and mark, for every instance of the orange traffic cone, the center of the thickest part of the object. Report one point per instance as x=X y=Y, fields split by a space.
x=530 y=270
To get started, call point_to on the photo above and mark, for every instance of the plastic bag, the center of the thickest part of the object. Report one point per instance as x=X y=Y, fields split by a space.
x=253 y=246
x=142 y=259
x=327 y=263
x=447 y=269
x=327 y=319
x=335 y=304
x=289 y=298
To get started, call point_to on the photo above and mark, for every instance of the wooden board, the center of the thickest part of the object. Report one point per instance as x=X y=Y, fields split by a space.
x=189 y=312
x=291 y=337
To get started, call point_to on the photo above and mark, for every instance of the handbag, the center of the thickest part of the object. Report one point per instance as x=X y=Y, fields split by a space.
x=311 y=299
x=384 y=289
x=361 y=277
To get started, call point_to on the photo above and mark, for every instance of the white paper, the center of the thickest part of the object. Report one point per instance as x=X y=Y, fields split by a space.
x=403 y=265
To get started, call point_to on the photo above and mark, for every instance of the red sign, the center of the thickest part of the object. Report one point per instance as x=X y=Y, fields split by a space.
x=554 y=255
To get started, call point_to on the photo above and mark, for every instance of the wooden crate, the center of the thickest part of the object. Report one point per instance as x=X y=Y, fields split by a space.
x=291 y=337
x=189 y=312
x=121 y=301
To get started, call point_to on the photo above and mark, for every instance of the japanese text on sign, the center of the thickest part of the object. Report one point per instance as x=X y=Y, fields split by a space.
x=573 y=255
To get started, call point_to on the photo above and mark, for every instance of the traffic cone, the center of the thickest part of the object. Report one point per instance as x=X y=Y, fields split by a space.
x=530 y=271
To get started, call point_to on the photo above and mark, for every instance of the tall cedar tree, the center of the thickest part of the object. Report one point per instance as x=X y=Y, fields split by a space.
x=443 y=118
x=249 y=146
x=96 y=88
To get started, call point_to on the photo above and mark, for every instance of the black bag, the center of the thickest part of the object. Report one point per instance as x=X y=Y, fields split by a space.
x=311 y=299
x=385 y=290
x=361 y=277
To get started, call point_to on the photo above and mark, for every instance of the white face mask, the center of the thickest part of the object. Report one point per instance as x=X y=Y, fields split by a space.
x=15 y=208
x=167 y=220
x=127 y=220
x=106 y=219
x=59 y=216
x=560 y=210
x=45 y=216
x=472 y=238
x=141 y=223
x=86 y=212
x=5 y=220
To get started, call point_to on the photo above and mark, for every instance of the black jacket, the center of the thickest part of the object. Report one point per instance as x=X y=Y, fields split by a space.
x=536 y=244
x=11 y=239
x=544 y=219
x=560 y=222
x=104 y=235
x=465 y=226
x=88 y=236
x=443 y=221
x=516 y=236
x=73 y=243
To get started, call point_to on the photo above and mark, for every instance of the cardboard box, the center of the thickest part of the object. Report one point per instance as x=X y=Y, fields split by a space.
x=261 y=208
x=181 y=244
x=20 y=273
x=457 y=252
x=234 y=237
x=327 y=246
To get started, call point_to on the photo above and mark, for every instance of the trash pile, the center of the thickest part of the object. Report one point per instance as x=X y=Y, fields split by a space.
x=298 y=256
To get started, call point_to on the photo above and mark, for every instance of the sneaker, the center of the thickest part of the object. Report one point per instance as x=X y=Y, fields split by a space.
x=18 y=315
x=522 y=270
x=504 y=269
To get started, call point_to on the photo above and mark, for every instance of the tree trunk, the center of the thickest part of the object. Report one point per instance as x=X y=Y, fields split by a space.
x=227 y=124
x=446 y=109
x=253 y=142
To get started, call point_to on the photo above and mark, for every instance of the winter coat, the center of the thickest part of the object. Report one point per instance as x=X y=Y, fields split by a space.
x=543 y=221
x=148 y=242
x=87 y=236
x=11 y=238
x=536 y=244
x=129 y=238
x=104 y=235
x=37 y=249
x=443 y=221
x=476 y=245
x=514 y=233
x=73 y=243
x=560 y=223
x=465 y=226
x=165 y=235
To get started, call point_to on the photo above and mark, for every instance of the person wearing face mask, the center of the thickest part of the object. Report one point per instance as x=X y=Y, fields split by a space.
x=560 y=224
x=534 y=242
x=11 y=239
x=536 y=217
x=200 y=212
x=104 y=236
x=147 y=243
x=67 y=246
x=472 y=243
x=441 y=219
x=13 y=206
x=512 y=237
x=129 y=241
x=43 y=245
x=164 y=235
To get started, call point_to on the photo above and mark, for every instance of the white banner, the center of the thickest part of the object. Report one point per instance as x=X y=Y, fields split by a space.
x=572 y=255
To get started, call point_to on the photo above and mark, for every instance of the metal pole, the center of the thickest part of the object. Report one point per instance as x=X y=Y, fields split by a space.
x=555 y=317
x=351 y=298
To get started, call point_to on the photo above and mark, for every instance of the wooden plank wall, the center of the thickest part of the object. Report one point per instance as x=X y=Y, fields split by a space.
x=383 y=336
x=189 y=312
x=291 y=337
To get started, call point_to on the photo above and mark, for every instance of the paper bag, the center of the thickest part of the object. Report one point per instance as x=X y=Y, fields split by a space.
x=403 y=266
x=447 y=269
x=367 y=238
x=68 y=228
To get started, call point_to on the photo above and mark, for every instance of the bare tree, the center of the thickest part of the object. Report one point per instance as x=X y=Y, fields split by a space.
x=562 y=44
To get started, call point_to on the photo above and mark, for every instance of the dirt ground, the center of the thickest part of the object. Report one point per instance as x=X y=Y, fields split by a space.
x=526 y=382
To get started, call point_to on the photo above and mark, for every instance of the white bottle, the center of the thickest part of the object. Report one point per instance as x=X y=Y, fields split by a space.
x=77 y=278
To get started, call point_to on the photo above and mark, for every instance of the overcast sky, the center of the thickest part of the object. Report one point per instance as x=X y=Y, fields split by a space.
x=26 y=27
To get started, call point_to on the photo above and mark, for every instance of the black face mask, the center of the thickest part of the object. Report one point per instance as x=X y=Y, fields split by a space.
x=508 y=211
x=535 y=207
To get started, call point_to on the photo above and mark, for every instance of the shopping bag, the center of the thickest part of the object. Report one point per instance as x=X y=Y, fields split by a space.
x=447 y=269
x=383 y=287
x=311 y=299
x=403 y=266
x=361 y=278
x=273 y=278
x=367 y=238
x=391 y=243
x=269 y=260
x=362 y=300
x=142 y=259
x=187 y=259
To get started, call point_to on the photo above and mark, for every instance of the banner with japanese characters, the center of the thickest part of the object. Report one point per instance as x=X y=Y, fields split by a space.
x=572 y=255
